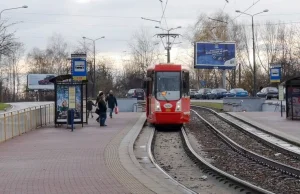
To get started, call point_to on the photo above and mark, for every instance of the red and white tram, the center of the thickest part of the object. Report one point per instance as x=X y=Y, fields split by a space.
x=167 y=92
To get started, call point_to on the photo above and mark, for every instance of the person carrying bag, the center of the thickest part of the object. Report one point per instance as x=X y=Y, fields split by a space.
x=112 y=103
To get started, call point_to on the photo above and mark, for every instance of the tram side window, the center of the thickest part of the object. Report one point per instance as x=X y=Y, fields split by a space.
x=153 y=85
x=185 y=83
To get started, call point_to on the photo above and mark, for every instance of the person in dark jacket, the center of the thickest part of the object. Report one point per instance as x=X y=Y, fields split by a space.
x=102 y=110
x=111 y=102
x=97 y=101
x=89 y=107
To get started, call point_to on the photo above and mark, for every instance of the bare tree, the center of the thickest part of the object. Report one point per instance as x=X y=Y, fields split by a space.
x=52 y=60
x=14 y=69
x=7 y=39
x=57 y=52
x=143 y=51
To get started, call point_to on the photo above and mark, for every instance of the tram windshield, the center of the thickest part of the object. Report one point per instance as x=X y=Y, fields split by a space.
x=167 y=86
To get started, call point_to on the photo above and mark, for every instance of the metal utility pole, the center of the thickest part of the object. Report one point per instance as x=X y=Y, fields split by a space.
x=168 y=48
x=254 y=63
x=240 y=74
x=253 y=41
x=168 y=44
x=94 y=76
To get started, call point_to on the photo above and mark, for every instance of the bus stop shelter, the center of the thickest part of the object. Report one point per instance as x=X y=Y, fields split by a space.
x=62 y=84
x=292 y=98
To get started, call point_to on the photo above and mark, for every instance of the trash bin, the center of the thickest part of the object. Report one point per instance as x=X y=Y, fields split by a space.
x=70 y=118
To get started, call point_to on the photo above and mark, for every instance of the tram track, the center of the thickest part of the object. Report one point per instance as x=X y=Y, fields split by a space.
x=174 y=152
x=255 y=140
x=229 y=156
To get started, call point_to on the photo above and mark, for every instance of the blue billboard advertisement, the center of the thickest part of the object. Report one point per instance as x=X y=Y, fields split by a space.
x=275 y=74
x=210 y=55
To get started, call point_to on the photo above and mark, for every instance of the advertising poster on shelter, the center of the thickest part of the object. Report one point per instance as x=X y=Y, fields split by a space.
x=62 y=97
x=294 y=100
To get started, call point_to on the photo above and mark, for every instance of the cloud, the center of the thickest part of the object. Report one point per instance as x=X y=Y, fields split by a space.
x=118 y=19
x=85 y=1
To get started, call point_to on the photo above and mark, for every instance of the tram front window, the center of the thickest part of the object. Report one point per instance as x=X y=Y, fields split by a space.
x=167 y=86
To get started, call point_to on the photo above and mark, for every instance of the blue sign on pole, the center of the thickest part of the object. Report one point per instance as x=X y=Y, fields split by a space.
x=79 y=70
x=210 y=55
x=275 y=74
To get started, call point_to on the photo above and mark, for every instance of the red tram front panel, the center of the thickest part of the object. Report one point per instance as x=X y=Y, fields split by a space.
x=167 y=101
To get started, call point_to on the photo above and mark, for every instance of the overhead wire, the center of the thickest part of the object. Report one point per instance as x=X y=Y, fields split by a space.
x=163 y=10
x=163 y=17
x=246 y=10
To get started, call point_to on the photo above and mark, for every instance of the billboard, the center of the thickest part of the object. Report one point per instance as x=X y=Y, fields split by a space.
x=63 y=104
x=275 y=74
x=40 y=81
x=210 y=55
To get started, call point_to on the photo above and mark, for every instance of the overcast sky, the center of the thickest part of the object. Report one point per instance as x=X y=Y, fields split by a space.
x=118 y=19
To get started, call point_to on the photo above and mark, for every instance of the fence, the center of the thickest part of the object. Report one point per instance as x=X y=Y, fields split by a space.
x=140 y=106
x=15 y=123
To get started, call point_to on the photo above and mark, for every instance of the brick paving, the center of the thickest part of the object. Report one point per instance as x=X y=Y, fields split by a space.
x=55 y=160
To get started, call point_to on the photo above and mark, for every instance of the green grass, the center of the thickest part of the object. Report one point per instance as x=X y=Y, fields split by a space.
x=214 y=105
x=3 y=106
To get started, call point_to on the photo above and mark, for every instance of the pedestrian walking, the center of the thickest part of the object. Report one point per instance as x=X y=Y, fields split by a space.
x=102 y=110
x=97 y=101
x=111 y=102
x=89 y=107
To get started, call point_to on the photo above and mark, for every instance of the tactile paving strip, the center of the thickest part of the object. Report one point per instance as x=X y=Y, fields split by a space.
x=113 y=163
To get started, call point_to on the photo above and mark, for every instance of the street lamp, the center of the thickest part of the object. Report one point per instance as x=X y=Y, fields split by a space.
x=254 y=64
x=94 y=43
x=217 y=20
x=24 y=6
x=168 y=48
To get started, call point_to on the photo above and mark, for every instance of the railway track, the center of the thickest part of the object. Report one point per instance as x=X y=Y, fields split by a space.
x=221 y=144
x=255 y=140
x=174 y=152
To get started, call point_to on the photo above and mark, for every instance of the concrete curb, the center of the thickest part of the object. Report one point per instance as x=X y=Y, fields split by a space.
x=118 y=161
x=131 y=164
x=267 y=129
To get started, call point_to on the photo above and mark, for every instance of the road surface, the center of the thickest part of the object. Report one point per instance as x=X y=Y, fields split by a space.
x=23 y=105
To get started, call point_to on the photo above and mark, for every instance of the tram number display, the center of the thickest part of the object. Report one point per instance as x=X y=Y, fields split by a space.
x=168 y=110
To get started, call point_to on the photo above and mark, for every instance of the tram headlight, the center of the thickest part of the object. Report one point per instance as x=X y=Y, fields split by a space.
x=178 y=105
x=157 y=106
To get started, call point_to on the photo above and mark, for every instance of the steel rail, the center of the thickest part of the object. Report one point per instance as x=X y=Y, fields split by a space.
x=227 y=177
x=150 y=145
x=251 y=155
x=277 y=147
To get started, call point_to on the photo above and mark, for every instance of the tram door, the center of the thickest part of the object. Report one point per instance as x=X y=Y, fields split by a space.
x=148 y=89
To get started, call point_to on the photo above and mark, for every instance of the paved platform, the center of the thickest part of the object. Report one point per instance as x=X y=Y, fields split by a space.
x=273 y=123
x=55 y=160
